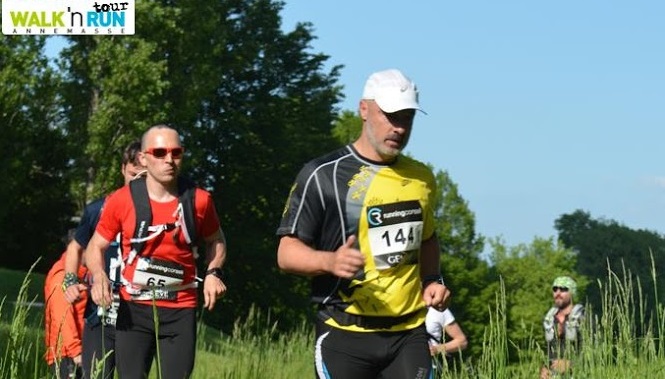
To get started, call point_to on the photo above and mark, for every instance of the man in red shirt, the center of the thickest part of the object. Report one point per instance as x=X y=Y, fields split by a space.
x=98 y=332
x=163 y=274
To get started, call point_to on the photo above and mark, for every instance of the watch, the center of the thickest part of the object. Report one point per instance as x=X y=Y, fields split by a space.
x=216 y=272
x=432 y=278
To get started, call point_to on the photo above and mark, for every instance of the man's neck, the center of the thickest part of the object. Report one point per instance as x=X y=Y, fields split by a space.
x=161 y=192
x=565 y=311
x=365 y=149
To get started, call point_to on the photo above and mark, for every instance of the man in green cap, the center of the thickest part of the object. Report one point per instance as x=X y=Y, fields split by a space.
x=562 y=328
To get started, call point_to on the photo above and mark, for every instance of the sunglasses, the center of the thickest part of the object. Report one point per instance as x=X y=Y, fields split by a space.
x=162 y=152
x=562 y=289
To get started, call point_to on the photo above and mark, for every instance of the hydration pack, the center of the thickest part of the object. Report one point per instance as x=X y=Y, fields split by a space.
x=186 y=220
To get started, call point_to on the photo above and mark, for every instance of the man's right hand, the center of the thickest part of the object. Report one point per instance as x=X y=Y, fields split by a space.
x=73 y=292
x=347 y=260
x=101 y=290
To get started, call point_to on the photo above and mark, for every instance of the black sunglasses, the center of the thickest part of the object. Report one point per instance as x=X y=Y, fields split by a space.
x=562 y=289
x=161 y=152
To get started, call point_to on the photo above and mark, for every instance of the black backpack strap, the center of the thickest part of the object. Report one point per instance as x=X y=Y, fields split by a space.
x=186 y=191
x=139 y=192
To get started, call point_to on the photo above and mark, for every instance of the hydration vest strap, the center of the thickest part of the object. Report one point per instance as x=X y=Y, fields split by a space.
x=186 y=190
x=139 y=192
x=155 y=230
x=186 y=214
x=180 y=287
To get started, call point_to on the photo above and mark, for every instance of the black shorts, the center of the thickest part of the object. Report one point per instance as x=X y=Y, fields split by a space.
x=359 y=355
x=98 y=344
x=136 y=346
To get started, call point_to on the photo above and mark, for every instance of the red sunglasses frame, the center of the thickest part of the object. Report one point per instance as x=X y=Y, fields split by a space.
x=162 y=152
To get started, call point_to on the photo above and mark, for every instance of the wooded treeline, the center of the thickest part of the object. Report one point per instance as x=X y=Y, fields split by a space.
x=253 y=103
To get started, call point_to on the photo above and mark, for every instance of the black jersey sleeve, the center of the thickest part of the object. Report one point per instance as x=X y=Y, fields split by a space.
x=305 y=207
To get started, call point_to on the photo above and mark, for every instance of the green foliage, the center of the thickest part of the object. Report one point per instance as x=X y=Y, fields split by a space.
x=256 y=347
x=456 y=223
x=469 y=277
x=527 y=272
x=347 y=127
x=251 y=101
x=606 y=245
x=22 y=343
x=112 y=86
x=252 y=105
x=35 y=201
x=13 y=281
x=611 y=347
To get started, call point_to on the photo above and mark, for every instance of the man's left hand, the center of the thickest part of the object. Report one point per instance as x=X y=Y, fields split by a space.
x=213 y=289
x=436 y=295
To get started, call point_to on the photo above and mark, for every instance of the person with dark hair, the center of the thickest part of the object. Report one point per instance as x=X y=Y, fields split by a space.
x=99 y=329
x=159 y=217
x=360 y=222
x=562 y=325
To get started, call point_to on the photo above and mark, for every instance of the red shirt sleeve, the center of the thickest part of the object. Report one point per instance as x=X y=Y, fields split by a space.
x=206 y=213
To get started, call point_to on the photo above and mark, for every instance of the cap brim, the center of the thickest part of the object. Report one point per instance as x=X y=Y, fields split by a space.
x=389 y=106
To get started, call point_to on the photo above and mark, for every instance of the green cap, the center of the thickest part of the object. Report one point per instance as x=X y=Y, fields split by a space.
x=568 y=282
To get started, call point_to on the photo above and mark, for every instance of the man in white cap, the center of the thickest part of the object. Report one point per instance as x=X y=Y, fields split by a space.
x=562 y=328
x=360 y=222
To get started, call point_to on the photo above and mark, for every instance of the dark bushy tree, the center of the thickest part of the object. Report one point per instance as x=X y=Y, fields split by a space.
x=35 y=206
x=602 y=245
x=252 y=103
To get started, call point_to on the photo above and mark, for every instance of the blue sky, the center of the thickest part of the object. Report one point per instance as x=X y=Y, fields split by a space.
x=535 y=108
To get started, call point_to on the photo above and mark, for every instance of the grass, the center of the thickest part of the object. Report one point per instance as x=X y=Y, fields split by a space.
x=29 y=289
x=13 y=280
x=614 y=347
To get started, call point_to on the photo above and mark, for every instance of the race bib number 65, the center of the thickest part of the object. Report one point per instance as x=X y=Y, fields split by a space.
x=157 y=273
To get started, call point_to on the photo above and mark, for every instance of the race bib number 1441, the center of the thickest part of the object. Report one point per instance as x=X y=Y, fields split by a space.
x=394 y=229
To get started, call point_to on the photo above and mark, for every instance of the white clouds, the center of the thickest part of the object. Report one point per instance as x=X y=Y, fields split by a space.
x=658 y=181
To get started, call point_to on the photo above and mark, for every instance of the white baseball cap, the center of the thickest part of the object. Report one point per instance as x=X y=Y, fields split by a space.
x=392 y=91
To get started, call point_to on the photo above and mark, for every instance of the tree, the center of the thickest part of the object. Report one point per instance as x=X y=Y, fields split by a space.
x=253 y=105
x=527 y=272
x=468 y=276
x=112 y=90
x=604 y=245
x=35 y=202
x=347 y=127
x=251 y=102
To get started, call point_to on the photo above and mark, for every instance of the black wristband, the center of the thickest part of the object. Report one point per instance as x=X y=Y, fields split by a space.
x=216 y=272
x=432 y=278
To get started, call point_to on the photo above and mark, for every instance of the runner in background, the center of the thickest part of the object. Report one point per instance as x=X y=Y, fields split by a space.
x=447 y=339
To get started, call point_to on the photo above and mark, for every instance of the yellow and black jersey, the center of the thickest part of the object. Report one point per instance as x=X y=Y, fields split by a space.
x=389 y=209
